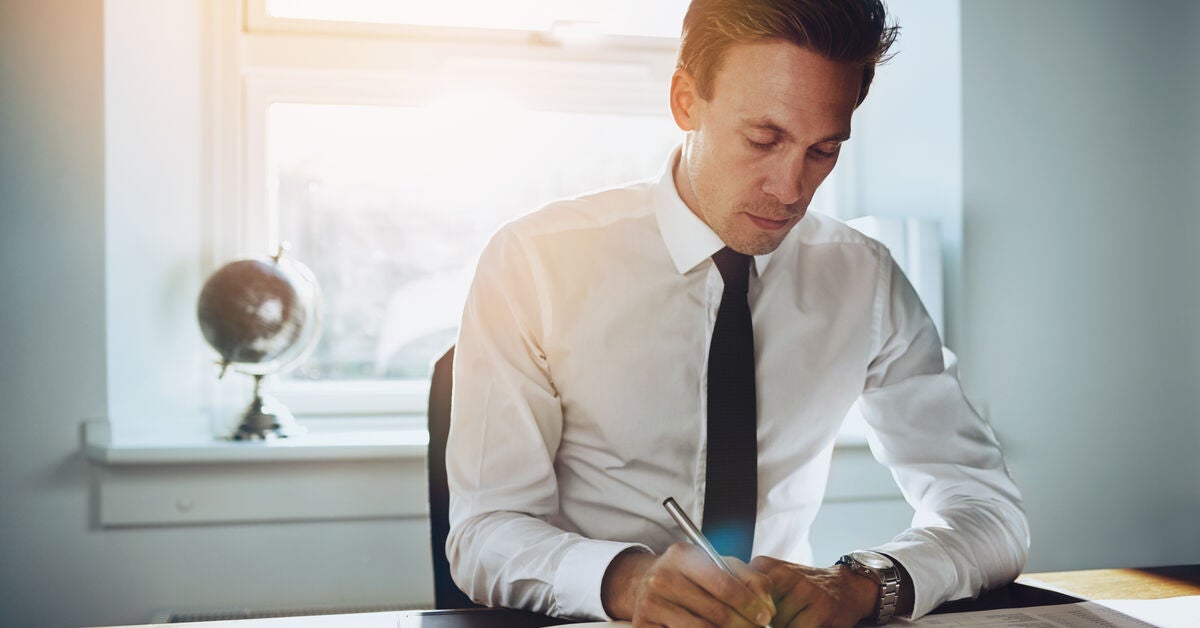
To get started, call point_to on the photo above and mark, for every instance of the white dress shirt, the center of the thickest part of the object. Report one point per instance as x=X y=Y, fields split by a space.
x=580 y=387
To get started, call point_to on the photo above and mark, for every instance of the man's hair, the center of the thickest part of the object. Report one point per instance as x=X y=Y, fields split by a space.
x=849 y=31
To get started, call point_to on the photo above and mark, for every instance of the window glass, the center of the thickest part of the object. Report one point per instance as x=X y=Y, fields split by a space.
x=657 y=18
x=390 y=206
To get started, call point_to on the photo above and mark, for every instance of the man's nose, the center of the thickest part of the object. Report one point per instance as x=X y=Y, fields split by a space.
x=786 y=181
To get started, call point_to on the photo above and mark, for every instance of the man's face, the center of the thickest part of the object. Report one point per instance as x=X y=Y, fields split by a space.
x=770 y=134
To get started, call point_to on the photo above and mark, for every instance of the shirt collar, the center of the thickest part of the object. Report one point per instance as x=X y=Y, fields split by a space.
x=688 y=239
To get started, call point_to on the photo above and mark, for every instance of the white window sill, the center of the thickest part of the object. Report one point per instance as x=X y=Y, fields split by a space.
x=324 y=444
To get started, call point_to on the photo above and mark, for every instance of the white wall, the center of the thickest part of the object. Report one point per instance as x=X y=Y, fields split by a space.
x=73 y=350
x=156 y=92
x=1081 y=302
x=52 y=279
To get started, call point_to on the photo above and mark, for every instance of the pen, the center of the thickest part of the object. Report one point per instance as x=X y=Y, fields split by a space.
x=693 y=533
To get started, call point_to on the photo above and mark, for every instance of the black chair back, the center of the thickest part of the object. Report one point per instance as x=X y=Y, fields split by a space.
x=445 y=592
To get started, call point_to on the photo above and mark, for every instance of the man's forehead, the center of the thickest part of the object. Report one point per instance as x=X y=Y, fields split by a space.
x=782 y=85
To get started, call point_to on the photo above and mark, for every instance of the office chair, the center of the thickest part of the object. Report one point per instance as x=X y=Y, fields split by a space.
x=446 y=593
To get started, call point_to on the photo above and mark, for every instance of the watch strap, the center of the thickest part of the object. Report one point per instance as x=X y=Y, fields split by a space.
x=888 y=579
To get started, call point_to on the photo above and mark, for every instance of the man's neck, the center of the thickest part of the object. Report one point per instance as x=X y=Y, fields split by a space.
x=683 y=183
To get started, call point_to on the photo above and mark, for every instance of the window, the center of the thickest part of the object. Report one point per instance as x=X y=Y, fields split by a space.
x=386 y=141
x=390 y=205
x=661 y=19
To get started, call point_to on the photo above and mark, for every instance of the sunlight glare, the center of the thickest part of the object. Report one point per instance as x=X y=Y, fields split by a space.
x=659 y=18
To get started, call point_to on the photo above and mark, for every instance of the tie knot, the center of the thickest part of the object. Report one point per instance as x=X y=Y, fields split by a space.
x=735 y=269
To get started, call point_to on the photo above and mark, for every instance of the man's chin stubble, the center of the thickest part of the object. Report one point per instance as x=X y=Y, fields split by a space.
x=756 y=244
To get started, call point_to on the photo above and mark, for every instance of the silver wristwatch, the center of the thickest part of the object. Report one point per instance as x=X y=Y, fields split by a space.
x=882 y=570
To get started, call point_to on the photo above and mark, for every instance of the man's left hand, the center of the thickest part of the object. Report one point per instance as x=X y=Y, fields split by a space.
x=817 y=596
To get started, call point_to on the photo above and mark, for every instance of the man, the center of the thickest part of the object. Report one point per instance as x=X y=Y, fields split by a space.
x=660 y=339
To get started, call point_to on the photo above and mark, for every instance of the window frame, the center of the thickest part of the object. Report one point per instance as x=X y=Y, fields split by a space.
x=257 y=19
x=280 y=60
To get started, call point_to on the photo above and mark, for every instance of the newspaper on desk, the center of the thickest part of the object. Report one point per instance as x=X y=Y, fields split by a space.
x=1179 y=612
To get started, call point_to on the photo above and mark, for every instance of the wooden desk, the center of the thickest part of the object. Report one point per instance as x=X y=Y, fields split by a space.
x=1120 y=584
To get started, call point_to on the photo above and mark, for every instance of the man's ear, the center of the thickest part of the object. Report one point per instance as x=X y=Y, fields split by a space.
x=684 y=99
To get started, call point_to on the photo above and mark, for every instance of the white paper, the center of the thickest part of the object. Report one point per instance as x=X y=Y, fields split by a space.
x=1078 y=615
x=1172 y=612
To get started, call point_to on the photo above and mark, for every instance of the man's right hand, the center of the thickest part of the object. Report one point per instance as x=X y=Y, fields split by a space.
x=684 y=588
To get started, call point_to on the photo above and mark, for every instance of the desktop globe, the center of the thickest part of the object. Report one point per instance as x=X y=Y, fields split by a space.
x=263 y=316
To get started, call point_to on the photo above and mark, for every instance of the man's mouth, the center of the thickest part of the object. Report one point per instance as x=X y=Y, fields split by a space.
x=767 y=224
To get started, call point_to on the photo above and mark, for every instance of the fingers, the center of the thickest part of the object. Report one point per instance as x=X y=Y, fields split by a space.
x=757 y=582
x=736 y=593
x=686 y=608
x=766 y=564
x=788 y=589
x=685 y=587
x=808 y=596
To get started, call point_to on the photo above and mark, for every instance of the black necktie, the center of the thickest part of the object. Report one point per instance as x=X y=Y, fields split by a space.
x=731 y=493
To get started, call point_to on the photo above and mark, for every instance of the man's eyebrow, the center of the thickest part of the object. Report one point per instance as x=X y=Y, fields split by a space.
x=840 y=136
x=769 y=125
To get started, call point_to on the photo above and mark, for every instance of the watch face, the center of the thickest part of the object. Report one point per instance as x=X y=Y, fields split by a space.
x=873 y=560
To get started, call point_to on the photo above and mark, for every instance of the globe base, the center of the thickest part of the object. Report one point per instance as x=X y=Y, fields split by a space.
x=266 y=418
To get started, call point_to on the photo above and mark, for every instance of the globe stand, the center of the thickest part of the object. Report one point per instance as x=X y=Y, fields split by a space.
x=266 y=418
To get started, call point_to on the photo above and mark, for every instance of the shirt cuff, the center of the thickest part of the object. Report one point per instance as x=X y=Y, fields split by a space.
x=580 y=574
x=932 y=583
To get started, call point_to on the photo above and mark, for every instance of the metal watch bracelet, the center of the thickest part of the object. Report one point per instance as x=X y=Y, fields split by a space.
x=883 y=571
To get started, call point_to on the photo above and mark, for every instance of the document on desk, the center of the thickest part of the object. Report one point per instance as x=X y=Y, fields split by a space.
x=1167 y=613
x=1080 y=615
x=1179 y=612
x=1172 y=612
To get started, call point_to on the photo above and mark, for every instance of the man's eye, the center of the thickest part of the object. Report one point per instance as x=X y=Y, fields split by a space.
x=823 y=154
x=760 y=145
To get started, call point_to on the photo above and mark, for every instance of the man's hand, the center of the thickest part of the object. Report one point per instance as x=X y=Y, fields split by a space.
x=684 y=588
x=815 y=596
